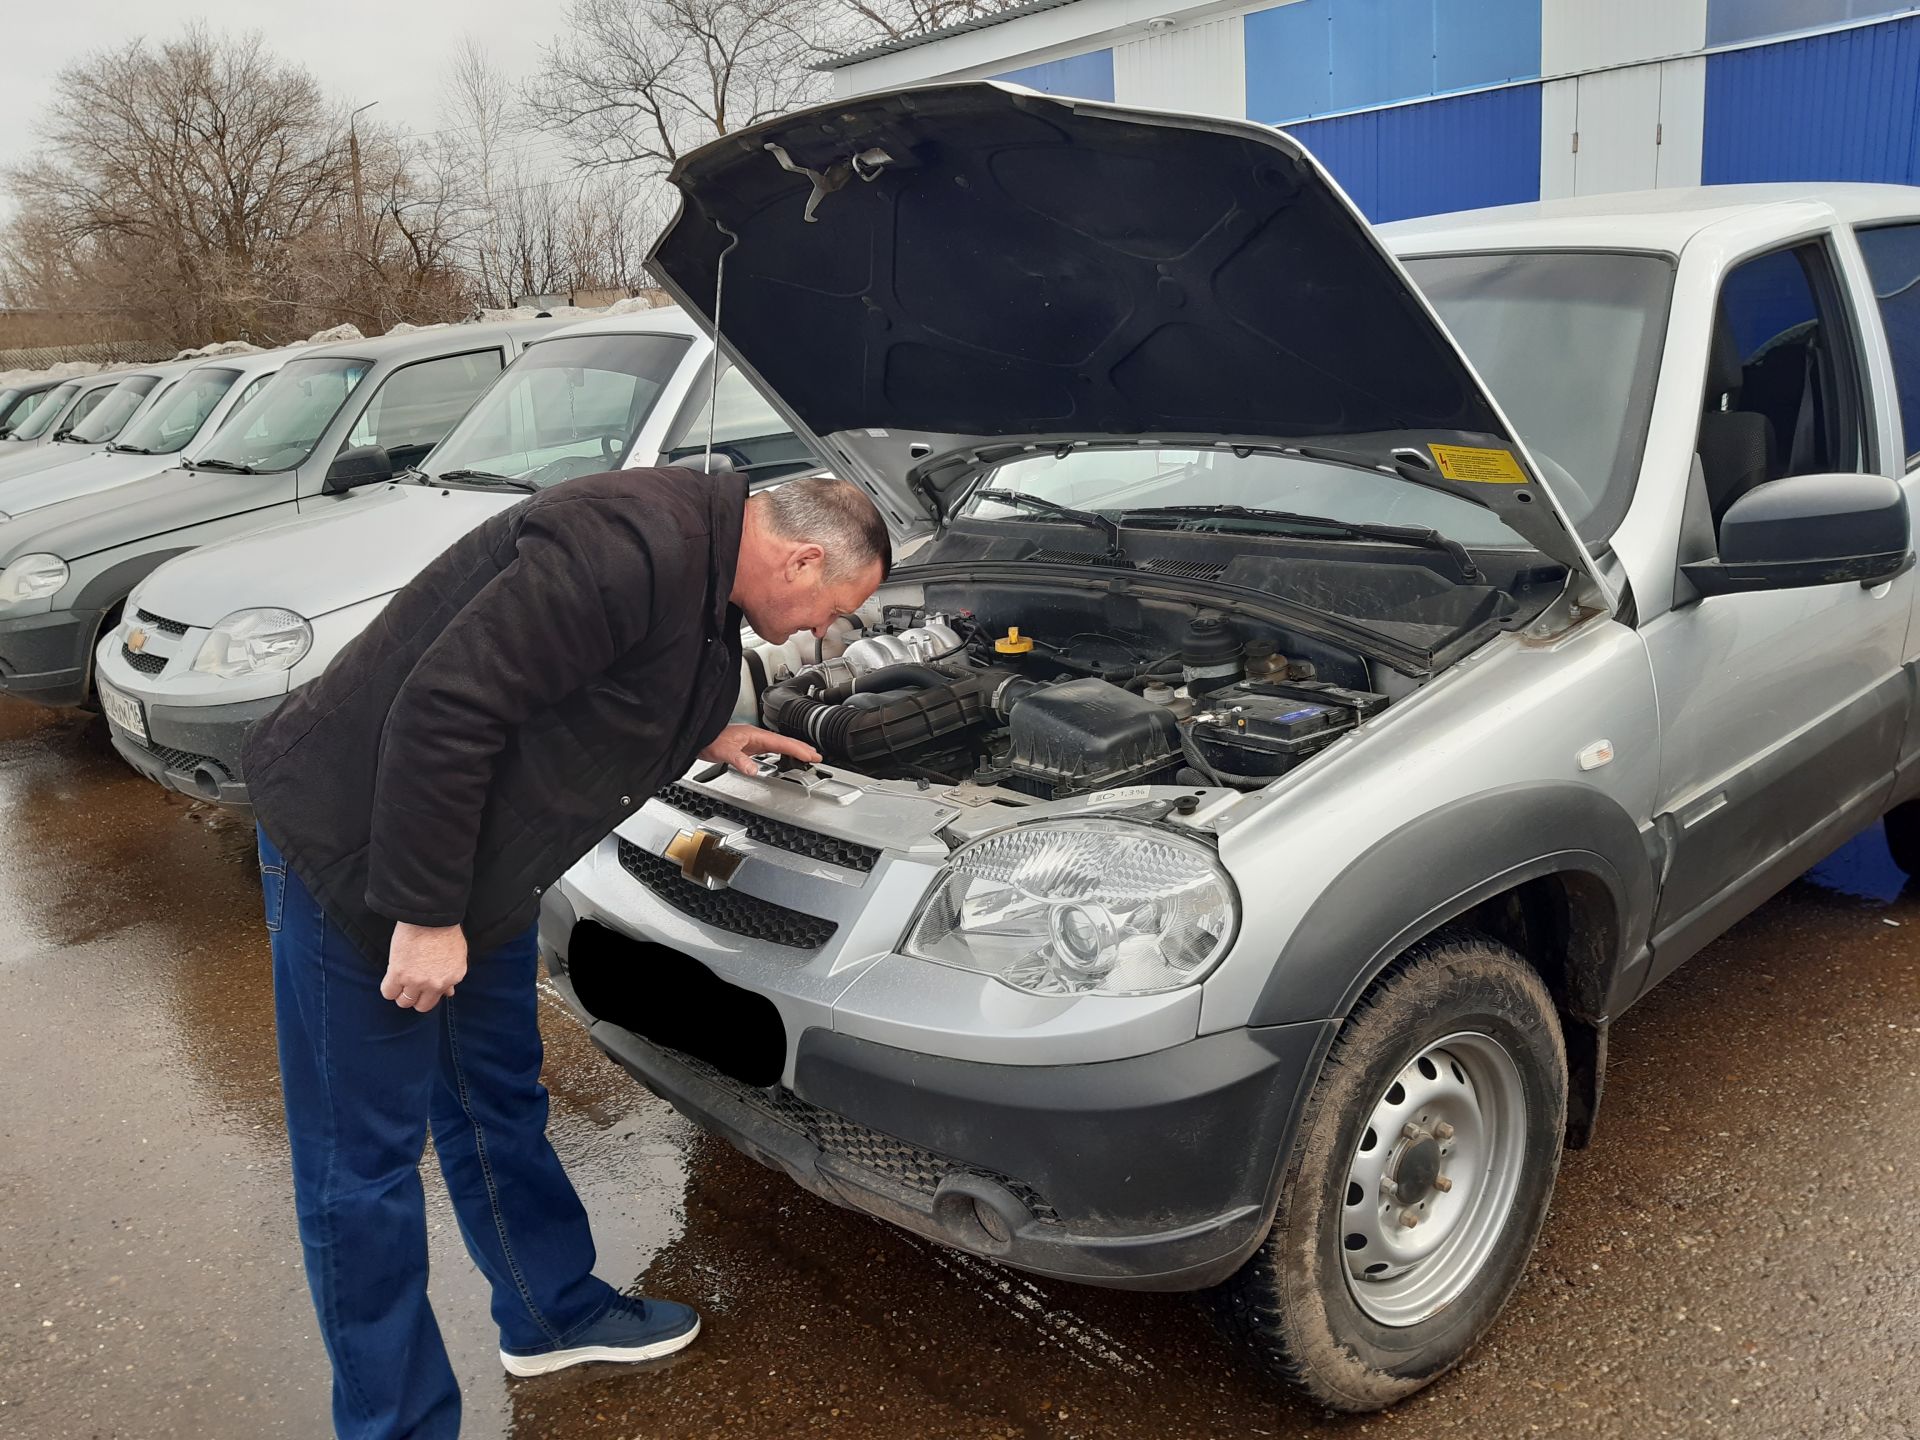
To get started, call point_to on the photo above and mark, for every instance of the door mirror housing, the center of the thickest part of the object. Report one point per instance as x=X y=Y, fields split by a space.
x=1810 y=530
x=360 y=465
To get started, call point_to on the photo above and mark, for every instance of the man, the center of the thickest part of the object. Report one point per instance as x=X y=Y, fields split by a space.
x=525 y=693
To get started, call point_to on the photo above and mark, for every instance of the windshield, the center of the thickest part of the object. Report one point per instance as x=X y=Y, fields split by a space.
x=1569 y=343
x=112 y=413
x=177 y=416
x=566 y=407
x=41 y=421
x=1138 y=477
x=279 y=427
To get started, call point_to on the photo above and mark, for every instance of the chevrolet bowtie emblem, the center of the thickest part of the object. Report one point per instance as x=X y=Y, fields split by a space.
x=703 y=857
x=136 y=640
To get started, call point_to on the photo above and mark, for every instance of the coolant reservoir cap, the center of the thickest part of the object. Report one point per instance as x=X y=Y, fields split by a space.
x=1013 y=642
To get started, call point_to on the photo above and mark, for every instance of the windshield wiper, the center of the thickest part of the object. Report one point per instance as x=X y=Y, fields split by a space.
x=1092 y=518
x=1197 y=517
x=485 y=477
x=227 y=467
x=120 y=449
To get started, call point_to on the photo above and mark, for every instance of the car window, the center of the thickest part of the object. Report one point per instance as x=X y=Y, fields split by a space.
x=115 y=408
x=1782 y=394
x=1893 y=260
x=417 y=405
x=566 y=407
x=38 y=423
x=176 y=417
x=1602 y=317
x=746 y=429
x=278 y=428
x=254 y=387
x=82 y=408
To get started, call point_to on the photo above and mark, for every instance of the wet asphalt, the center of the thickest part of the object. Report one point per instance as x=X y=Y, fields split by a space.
x=1734 y=1256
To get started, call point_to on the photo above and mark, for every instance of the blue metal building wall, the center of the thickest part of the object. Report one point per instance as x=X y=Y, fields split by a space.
x=1844 y=106
x=1731 y=21
x=1085 y=77
x=1457 y=153
x=1314 y=56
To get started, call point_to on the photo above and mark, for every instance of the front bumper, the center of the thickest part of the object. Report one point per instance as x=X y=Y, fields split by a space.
x=1155 y=1172
x=45 y=658
x=195 y=749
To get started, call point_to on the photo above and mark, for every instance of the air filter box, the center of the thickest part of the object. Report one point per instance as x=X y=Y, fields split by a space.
x=1086 y=734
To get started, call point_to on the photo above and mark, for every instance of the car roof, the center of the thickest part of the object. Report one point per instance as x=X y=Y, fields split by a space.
x=1639 y=219
x=661 y=320
x=433 y=340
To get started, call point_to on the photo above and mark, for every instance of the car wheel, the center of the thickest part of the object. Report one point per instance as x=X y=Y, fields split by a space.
x=1418 y=1180
x=1903 y=836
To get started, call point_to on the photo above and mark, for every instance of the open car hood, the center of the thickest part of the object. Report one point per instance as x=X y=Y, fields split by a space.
x=913 y=276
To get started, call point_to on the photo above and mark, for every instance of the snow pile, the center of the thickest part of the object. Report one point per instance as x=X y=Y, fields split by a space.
x=219 y=347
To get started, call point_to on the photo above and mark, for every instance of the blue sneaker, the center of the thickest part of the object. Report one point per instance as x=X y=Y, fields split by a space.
x=632 y=1329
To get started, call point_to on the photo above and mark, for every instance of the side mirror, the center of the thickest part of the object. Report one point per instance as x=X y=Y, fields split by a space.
x=1810 y=530
x=362 y=465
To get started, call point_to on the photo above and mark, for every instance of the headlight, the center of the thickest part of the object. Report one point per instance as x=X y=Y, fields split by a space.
x=249 y=642
x=32 y=577
x=1073 y=907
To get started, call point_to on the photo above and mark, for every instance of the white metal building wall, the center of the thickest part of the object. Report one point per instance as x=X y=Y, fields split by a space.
x=1201 y=67
x=1580 y=35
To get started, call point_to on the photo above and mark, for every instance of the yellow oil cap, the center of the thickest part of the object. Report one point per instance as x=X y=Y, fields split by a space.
x=1013 y=642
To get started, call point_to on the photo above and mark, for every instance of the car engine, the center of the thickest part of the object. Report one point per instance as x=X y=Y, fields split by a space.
x=936 y=697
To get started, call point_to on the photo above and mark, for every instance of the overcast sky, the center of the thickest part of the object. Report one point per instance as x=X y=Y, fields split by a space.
x=392 y=51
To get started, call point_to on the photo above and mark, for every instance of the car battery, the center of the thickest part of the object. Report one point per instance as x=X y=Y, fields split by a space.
x=1261 y=728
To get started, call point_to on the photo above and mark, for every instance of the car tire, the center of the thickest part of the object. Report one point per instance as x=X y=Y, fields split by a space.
x=1903 y=837
x=1464 y=1032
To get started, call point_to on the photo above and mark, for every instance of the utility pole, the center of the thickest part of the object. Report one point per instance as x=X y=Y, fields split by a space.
x=353 y=159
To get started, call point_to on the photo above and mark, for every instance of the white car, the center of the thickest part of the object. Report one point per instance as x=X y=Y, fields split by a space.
x=170 y=423
x=217 y=638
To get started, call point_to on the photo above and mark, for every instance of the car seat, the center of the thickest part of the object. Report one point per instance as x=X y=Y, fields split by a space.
x=1737 y=447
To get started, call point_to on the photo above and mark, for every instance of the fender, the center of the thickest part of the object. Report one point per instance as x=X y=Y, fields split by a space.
x=116 y=582
x=1436 y=868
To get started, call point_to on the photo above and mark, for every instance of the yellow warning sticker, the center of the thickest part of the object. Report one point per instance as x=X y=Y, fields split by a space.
x=1489 y=467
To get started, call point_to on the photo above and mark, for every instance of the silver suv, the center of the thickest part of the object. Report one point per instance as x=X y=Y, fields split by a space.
x=1274 y=761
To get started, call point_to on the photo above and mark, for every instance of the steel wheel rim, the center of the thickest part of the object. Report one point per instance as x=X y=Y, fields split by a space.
x=1446 y=1143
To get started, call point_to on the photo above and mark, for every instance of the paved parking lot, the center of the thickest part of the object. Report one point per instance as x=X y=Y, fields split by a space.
x=1733 y=1257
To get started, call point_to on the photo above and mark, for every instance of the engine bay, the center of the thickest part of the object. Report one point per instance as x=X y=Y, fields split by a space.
x=1106 y=691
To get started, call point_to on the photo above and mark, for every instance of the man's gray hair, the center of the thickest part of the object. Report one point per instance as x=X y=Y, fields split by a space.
x=836 y=515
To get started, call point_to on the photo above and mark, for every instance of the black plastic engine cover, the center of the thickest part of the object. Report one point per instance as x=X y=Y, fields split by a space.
x=1086 y=735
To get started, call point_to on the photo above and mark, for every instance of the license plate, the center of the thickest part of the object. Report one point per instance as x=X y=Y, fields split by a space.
x=123 y=710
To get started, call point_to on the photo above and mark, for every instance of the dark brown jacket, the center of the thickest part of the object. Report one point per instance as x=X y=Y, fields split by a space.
x=520 y=697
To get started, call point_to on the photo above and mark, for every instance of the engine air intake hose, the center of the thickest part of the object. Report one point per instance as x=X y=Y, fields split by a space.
x=917 y=705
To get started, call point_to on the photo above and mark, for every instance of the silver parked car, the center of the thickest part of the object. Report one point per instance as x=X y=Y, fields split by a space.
x=217 y=639
x=83 y=418
x=335 y=420
x=20 y=399
x=1281 y=759
x=191 y=409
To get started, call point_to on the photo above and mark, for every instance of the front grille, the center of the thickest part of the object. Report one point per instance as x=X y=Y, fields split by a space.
x=185 y=761
x=906 y=1165
x=728 y=910
x=777 y=833
x=165 y=627
x=144 y=663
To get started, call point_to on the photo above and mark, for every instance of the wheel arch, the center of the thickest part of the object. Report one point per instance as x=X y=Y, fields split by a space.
x=1557 y=871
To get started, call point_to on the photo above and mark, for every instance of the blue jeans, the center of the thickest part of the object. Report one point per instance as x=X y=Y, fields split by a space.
x=363 y=1081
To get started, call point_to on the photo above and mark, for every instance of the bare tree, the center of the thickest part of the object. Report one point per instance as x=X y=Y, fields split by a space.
x=842 y=26
x=638 y=82
x=203 y=188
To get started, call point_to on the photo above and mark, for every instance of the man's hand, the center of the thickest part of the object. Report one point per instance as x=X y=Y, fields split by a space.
x=424 y=963
x=738 y=744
